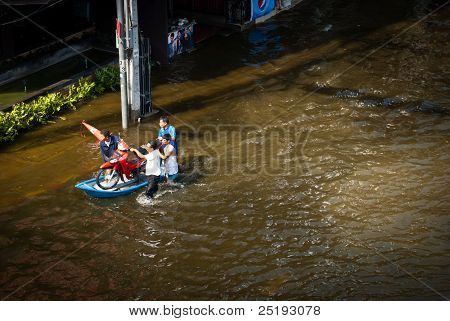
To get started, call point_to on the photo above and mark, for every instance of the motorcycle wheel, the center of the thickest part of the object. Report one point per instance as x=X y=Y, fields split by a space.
x=100 y=179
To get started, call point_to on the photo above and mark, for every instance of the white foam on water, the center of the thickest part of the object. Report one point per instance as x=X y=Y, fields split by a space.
x=143 y=200
x=176 y=185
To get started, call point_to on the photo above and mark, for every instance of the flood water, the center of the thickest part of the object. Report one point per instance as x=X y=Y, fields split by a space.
x=333 y=185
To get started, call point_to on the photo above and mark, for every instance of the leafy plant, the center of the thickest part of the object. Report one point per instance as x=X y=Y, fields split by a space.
x=77 y=93
x=107 y=79
x=8 y=128
x=39 y=111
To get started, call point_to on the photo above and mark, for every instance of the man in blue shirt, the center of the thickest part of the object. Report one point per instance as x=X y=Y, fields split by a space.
x=166 y=128
x=108 y=145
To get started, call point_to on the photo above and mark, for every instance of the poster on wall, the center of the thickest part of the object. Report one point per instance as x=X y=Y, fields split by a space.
x=180 y=40
x=261 y=7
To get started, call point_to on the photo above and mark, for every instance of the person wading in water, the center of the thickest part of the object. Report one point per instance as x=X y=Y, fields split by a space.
x=153 y=166
x=170 y=159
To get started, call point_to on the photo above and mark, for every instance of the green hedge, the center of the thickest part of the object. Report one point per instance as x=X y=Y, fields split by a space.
x=107 y=79
x=39 y=111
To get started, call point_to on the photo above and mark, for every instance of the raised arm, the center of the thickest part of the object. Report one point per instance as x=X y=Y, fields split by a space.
x=137 y=152
x=162 y=155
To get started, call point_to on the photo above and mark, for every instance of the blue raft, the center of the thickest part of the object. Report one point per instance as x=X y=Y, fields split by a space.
x=91 y=188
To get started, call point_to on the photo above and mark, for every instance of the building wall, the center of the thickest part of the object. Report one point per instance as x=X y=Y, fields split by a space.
x=153 y=23
x=204 y=6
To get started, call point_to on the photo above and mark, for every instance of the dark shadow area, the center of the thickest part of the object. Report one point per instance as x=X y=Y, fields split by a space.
x=23 y=89
x=303 y=28
x=283 y=78
x=309 y=25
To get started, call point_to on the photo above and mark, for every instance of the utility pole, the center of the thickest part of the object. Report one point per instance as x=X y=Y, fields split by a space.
x=135 y=91
x=122 y=62
x=134 y=72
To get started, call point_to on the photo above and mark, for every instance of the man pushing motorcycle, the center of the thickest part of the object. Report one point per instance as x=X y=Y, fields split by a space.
x=153 y=166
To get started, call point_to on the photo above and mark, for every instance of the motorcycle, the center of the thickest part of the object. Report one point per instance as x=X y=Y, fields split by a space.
x=118 y=168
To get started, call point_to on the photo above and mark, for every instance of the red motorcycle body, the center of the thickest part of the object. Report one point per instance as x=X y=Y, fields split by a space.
x=120 y=164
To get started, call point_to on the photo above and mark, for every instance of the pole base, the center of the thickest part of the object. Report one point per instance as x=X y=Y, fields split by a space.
x=137 y=117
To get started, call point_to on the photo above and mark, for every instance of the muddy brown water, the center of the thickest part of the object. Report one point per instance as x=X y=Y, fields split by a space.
x=334 y=182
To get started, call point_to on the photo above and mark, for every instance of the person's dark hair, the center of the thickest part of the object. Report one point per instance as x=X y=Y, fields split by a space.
x=164 y=119
x=153 y=144
x=106 y=133
x=142 y=150
x=167 y=137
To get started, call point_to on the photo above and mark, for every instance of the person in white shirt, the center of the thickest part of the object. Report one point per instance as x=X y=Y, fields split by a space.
x=153 y=166
x=170 y=159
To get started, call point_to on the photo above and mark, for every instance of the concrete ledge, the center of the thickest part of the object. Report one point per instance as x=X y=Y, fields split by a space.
x=58 y=86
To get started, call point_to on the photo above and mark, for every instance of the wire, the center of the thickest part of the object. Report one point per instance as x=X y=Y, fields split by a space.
x=42 y=8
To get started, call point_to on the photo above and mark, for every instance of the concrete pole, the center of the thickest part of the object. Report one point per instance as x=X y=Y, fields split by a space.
x=135 y=65
x=122 y=64
x=126 y=13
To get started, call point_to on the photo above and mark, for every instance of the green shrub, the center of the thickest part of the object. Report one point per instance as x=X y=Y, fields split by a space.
x=8 y=128
x=77 y=93
x=39 y=111
x=107 y=79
